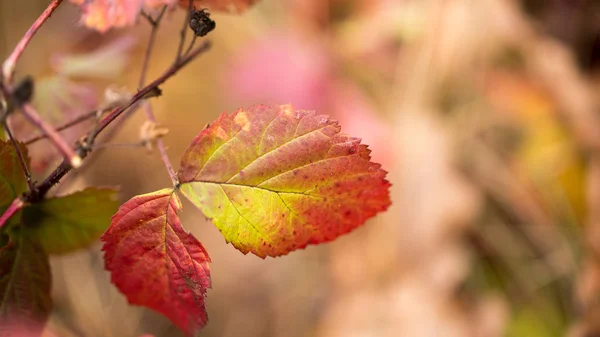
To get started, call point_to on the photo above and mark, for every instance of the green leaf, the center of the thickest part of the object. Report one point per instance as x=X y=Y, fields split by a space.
x=12 y=179
x=275 y=179
x=25 y=282
x=72 y=222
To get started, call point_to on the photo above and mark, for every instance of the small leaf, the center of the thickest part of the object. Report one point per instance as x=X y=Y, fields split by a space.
x=12 y=179
x=155 y=263
x=25 y=282
x=71 y=222
x=102 y=15
x=274 y=180
x=232 y=6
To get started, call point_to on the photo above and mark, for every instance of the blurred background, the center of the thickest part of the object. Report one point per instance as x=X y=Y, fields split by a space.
x=484 y=113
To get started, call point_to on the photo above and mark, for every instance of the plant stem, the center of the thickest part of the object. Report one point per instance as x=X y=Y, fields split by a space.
x=147 y=107
x=14 y=207
x=154 y=23
x=8 y=67
x=183 y=31
x=32 y=115
x=87 y=116
x=84 y=149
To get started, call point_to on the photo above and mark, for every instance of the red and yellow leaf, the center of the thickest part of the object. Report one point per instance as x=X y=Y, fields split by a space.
x=273 y=179
x=71 y=222
x=232 y=6
x=25 y=281
x=155 y=262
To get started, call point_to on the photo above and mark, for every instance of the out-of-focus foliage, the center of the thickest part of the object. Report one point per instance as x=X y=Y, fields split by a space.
x=484 y=113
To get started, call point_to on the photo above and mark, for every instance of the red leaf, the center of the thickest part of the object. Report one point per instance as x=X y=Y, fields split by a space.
x=274 y=180
x=155 y=263
x=232 y=6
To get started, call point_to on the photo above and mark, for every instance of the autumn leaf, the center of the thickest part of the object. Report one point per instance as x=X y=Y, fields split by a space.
x=155 y=263
x=72 y=222
x=25 y=282
x=232 y=6
x=106 y=62
x=12 y=179
x=273 y=179
x=103 y=15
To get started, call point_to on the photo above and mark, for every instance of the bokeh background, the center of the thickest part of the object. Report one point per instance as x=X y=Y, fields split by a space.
x=484 y=113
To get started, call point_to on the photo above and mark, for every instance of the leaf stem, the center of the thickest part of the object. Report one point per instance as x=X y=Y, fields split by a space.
x=57 y=140
x=8 y=67
x=14 y=207
x=147 y=107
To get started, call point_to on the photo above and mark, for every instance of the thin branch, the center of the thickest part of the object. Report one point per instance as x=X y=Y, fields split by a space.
x=14 y=207
x=154 y=23
x=191 y=45
x=20 y=156
x=84 y=149
x=184 y=30
x=4 y=102
x=78 y=120
x=8 y=67
x=150 y=88
x=147 y=107
x=32 y=115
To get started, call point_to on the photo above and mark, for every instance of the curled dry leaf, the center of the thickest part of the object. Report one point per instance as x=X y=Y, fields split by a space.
x=150 y=132
x=155 y=262
x=274 y=179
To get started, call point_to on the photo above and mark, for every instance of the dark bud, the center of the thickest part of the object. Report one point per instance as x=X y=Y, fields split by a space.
x=20 y=95
x=201 y=23
x=23 y=92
